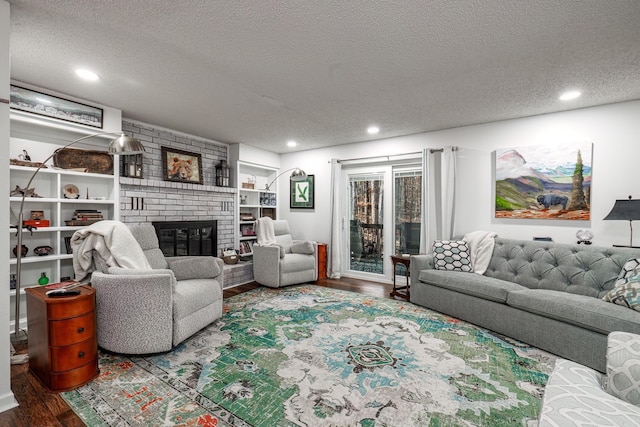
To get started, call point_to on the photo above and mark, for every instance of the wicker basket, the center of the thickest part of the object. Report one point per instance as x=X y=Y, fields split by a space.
x=248 y=185
x=231 y=259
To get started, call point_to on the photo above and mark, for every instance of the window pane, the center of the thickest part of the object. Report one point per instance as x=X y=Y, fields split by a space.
x=407 y=209
x=366 y=222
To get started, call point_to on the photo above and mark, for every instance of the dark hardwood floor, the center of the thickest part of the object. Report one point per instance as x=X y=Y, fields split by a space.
x=41 y=408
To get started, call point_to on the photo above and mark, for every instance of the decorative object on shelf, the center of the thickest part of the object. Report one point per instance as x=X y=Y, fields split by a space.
x=43 y=250
x=12 y=281
x=24 y=252
x=302 y=193
x=62 y=109
x=17 y=162
x=131 y=166
x=267 y=199
x=243 y=200
x=230 y=256
x=24 y=156
x=84 y=217
x=222 y=174
x=584 y=236
x=43 y=280
x=91 y=161
x=250 y=184
x=121 y=145
x=67 y=245
x=297 y=175
x=627 y=210
x=70 y=191
x=35 y=223
x=37 y=214
x=24 y=192
x=181 y=166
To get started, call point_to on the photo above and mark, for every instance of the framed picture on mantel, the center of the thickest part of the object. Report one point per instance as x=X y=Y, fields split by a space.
x=302 y=193
x=181 y=166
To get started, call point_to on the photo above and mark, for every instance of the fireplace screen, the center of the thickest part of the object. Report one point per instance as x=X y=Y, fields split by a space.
x=179 y=238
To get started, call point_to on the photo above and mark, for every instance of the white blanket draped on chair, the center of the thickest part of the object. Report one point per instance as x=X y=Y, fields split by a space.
x=113 y=241
x=265 y=231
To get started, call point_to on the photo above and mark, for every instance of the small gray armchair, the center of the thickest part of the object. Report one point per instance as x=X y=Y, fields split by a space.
x=152 y=311
x=288 y=262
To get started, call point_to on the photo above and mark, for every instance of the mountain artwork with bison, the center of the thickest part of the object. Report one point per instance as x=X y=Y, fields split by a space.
x=544 y=182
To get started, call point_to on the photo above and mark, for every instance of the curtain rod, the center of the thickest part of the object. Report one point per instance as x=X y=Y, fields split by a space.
x=388 y=157
x=440 y=150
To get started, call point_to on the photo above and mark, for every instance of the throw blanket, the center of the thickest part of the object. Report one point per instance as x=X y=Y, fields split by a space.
x=481 y=245
x=113 y=241
x=265 y=232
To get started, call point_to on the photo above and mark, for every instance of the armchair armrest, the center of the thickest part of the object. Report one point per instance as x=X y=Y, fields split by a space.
x=122 y=297
x=266 y=265
x=195 y=267
x=419 y=263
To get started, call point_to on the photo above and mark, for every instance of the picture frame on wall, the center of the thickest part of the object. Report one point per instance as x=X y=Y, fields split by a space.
x=303 y=193
x=181 y=166
x=42 y=104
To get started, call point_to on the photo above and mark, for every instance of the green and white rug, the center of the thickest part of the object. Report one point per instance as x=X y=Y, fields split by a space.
x=312 y=356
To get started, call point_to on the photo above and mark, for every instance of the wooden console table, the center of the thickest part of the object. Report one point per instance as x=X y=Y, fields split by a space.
x=63 y=349
x=401 y=291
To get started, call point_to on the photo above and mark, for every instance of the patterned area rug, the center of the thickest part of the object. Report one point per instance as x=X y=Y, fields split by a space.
x=312 y=356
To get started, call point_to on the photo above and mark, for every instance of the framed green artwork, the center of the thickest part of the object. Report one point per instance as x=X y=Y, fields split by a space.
x=302 y=193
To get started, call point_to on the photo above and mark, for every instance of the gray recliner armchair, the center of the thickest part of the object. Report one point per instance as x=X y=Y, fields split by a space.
x=288 y=262
x=152 y=311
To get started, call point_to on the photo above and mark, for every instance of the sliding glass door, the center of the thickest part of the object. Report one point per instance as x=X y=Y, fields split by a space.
x=384 y=205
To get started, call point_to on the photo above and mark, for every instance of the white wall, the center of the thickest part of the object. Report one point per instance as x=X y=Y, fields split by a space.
x=7 y=400
x=614 y=130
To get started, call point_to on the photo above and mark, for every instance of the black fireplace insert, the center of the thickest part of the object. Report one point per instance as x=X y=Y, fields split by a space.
x=179 y=238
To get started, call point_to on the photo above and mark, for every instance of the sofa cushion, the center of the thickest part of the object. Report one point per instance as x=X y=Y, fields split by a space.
x=452 y=255
x=470 y=284
x=623 y=367
x=297 y=262
x=583 y=311
x=626 y=295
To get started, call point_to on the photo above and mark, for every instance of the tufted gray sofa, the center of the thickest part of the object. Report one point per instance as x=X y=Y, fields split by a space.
x=542 y=293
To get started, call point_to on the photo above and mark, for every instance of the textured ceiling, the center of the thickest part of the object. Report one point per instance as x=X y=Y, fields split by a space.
x=320 y=72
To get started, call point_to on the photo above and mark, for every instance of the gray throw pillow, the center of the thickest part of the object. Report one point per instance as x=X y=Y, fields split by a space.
x=305 y=247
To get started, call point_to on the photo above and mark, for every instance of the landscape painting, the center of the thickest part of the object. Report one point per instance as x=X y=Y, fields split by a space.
x=544 y=182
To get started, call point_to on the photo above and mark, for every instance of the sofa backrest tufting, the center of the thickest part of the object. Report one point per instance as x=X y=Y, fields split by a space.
x=584 y=270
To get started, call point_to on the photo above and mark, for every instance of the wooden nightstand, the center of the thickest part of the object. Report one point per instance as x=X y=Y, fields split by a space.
x=63 y=349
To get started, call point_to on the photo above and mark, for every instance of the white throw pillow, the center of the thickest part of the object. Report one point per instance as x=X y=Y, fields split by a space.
x=623 y=366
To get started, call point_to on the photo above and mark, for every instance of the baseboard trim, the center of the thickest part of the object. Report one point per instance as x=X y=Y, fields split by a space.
x=8 y=401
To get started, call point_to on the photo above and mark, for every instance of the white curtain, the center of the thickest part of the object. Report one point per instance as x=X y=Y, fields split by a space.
x=438 y=196
x=335 y=245
x=448 y=191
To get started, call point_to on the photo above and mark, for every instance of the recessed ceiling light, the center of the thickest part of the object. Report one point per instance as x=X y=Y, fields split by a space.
x=373 y=130
x=291 y=143
x=568 y=96
x=87 y=75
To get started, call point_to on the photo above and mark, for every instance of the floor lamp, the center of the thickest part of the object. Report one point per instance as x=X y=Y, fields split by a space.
x=122 y=145
x=297 y=175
